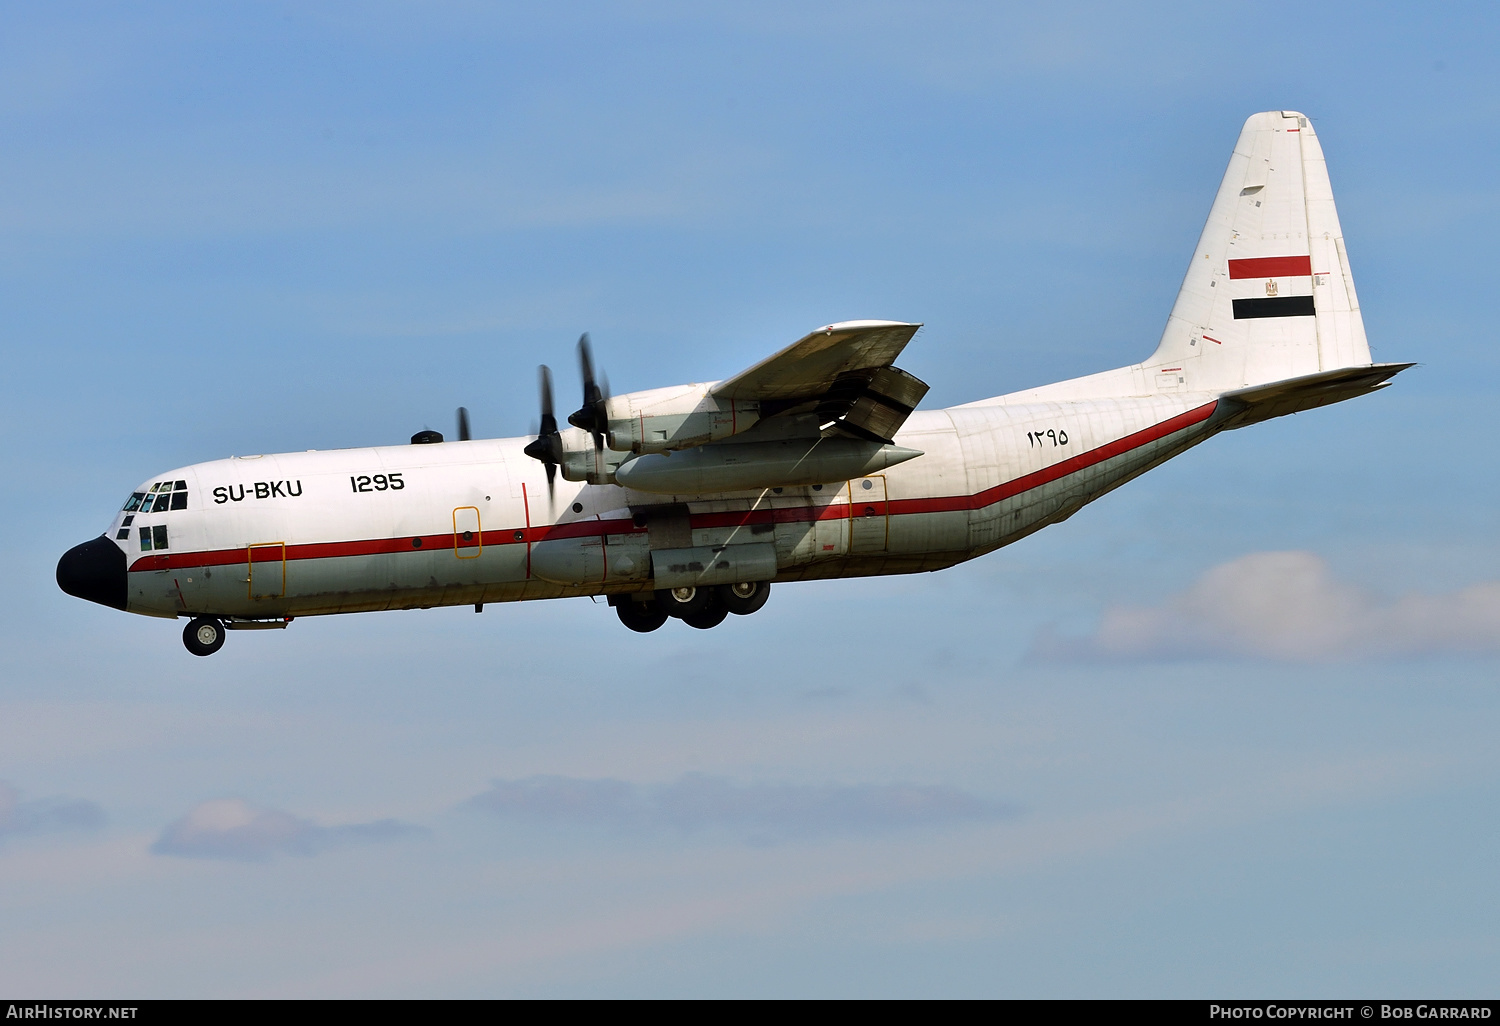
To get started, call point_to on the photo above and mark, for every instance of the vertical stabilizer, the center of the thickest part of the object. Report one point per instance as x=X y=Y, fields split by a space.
x=1269 y=294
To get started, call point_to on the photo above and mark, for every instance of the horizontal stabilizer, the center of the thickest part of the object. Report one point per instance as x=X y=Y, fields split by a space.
x=1293 y=395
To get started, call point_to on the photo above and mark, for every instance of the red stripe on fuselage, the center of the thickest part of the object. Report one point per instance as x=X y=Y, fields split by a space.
x=1271 y=267
x=734 y=518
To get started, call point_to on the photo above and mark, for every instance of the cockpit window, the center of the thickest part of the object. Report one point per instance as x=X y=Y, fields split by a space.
x=160 y=497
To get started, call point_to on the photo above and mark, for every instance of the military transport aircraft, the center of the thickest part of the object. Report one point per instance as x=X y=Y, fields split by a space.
x=689 y=501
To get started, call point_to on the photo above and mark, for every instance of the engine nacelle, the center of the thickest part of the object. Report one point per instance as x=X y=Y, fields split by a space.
x=581 y=462
x=681 y=417
x=741 y=466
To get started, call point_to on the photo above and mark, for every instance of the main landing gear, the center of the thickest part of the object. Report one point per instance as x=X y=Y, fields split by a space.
x=697 y=607
x=203 y=636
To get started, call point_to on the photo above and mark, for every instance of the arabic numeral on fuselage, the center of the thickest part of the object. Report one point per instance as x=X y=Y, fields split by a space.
x=1056 y=436
x=377 y=483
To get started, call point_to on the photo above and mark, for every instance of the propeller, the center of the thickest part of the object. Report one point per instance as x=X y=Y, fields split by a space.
x=547 y=446
x=593 y=417
x=463 y=424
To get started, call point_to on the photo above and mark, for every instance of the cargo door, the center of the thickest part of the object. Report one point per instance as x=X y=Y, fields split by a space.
x=869 y=519
x=267 y=566
x=468 y=542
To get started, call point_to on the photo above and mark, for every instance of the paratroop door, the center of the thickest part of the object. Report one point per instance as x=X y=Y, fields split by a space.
x=811 y=523
x=868 y=520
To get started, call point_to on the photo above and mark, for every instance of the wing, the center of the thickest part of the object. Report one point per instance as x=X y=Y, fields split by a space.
x=809 y=367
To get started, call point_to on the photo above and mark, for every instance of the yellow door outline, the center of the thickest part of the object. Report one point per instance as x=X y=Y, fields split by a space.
x=251 y=559
x=473 y=545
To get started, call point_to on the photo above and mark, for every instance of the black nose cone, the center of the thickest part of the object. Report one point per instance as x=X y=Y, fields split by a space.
x=95 y=571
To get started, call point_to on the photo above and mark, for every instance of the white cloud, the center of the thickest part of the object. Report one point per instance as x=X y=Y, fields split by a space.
x=20 y=818
x=232 y=828
x=1288 y=606
x=771 y=811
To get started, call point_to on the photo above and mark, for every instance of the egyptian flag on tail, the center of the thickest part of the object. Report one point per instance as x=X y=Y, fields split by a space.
x=1273 y=305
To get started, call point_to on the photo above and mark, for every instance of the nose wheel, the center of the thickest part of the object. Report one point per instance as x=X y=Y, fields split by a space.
x=203 y=636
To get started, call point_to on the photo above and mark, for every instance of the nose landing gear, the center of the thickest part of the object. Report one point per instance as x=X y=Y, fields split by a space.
x=203 y=636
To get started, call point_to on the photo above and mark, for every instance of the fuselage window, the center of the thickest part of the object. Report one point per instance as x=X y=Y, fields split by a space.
x=122 y=534
x=159 y=536
x=145 y=539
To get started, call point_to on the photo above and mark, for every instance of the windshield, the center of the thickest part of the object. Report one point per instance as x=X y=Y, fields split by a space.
x=159 y=498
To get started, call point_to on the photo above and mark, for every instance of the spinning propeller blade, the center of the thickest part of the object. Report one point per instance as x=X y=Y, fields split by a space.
x=593 y=417
x=547 y=447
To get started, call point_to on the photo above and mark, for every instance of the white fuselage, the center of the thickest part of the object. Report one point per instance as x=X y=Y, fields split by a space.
x=413 y=526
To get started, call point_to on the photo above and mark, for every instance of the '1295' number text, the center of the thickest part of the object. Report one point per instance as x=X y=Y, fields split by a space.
x=377 y=483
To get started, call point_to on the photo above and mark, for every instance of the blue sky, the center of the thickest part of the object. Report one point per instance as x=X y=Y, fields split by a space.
x=262 y=227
